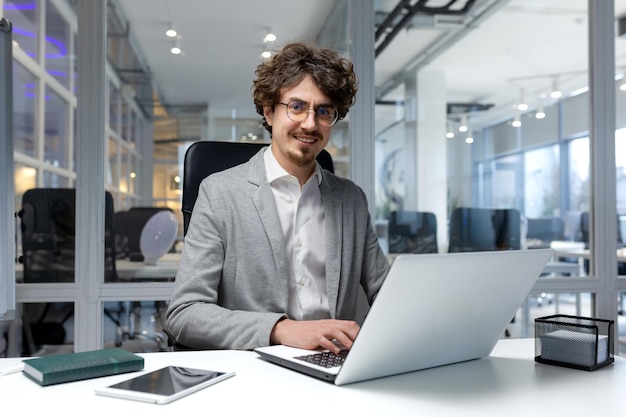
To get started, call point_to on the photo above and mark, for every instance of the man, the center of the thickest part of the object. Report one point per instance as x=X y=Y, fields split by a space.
x=277 y=248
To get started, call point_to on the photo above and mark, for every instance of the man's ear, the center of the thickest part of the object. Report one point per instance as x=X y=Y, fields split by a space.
x=268 y=113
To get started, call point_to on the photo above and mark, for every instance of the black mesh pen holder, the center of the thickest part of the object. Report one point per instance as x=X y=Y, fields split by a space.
x=574 y=342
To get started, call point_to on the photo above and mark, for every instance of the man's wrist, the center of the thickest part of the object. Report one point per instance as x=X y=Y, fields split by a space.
x=275 y=334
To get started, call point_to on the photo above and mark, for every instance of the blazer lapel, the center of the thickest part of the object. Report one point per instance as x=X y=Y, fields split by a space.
x=263 y=200
x=334 y=230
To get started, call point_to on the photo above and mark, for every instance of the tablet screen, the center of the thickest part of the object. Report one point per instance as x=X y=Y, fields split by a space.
x=168 y=381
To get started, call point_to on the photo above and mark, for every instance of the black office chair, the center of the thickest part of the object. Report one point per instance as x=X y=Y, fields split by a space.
x=412 y=232
x=481 y=229
x=206 y=157
x=48 y=232
x=543 y=230
x=48 y=227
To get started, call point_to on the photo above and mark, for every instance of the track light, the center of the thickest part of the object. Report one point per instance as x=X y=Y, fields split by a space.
x=176 y=49
x=540 y=113
x=270 y=37
x=556 y=93
x=450 y=133
x=463 y=126
x=517 y=122
x=522 y=106
x=469 y=138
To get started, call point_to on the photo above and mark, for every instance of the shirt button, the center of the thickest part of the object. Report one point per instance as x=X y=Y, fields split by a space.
x=302 y=281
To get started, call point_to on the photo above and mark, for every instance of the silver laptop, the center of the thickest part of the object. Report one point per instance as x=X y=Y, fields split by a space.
x=432 y=310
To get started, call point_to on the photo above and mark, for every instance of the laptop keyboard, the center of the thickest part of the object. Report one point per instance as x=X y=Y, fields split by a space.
x=325 y=359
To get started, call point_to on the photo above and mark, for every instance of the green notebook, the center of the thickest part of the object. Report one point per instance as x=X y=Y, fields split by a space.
x=82 y=365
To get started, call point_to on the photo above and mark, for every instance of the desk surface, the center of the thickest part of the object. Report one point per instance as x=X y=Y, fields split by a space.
x=567 y=252
x=508 y=382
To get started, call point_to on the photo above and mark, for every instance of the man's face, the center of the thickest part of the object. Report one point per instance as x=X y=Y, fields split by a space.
x=296 y=144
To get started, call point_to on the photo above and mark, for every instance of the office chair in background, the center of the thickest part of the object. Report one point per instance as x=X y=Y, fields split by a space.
x=542 y=231
x=481 y=229
x=412 y=232
x=204 y=158
x=48 y=233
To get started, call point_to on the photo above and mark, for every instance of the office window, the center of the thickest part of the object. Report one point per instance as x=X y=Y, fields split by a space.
x=25 y=178
x=57 y=45
x=124 y=169
x=53 y=180
x=136 y=326
x=24 y=115
x=23 y=15
x=541 y=182
x=114 y=108
x=125 y=120
x=48 y=328
x=620 y=170
x=580 y=192
x=112 y=166
x=506 y=180
x=56 y=129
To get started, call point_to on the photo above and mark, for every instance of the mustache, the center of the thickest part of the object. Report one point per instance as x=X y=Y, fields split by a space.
x=314 y=134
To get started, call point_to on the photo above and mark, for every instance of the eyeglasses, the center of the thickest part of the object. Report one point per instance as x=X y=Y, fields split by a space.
x=325 y=116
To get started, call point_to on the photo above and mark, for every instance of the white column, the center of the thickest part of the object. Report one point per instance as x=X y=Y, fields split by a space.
x=430 y=157
x=7 y=207
x=602 y=139
x=90 y=139
x=361 y=126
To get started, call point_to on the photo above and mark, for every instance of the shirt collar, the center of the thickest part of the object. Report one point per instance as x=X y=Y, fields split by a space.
x=275 y=171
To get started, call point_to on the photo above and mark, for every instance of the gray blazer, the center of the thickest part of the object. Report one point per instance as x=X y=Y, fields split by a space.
x=232 y=281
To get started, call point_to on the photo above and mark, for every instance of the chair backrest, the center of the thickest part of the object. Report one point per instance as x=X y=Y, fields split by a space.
x=412 y=232
x=480 y=229
x=586 y=229
x=207 y=157
x=48 y=228
x=543 y=230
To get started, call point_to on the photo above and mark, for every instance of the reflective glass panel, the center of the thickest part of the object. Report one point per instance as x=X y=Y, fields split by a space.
x=136 y=326
x=23 y=15
x=24 y=115
x=57 y=45
x=56 y=129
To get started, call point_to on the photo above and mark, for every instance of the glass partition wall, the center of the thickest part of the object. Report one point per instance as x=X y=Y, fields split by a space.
x=536 y=161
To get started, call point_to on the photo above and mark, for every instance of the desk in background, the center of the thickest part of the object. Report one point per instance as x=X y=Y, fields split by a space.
x=508 y=382
x=164 y=270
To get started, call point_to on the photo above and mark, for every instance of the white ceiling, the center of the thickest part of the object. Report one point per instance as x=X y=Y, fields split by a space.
x=512 y=45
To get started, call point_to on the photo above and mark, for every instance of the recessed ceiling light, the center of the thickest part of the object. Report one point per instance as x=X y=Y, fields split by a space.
x=171 y=33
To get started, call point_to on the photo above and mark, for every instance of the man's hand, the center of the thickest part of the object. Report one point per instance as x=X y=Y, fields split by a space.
x=314 y=334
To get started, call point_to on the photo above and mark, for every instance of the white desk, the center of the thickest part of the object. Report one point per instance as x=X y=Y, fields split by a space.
x=584 y=254
x=508 y=383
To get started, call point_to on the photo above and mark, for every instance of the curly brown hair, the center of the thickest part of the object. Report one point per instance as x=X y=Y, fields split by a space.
x=333 y=74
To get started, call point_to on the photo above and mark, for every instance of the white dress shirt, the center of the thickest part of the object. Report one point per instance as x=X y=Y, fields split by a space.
x=301 y=215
